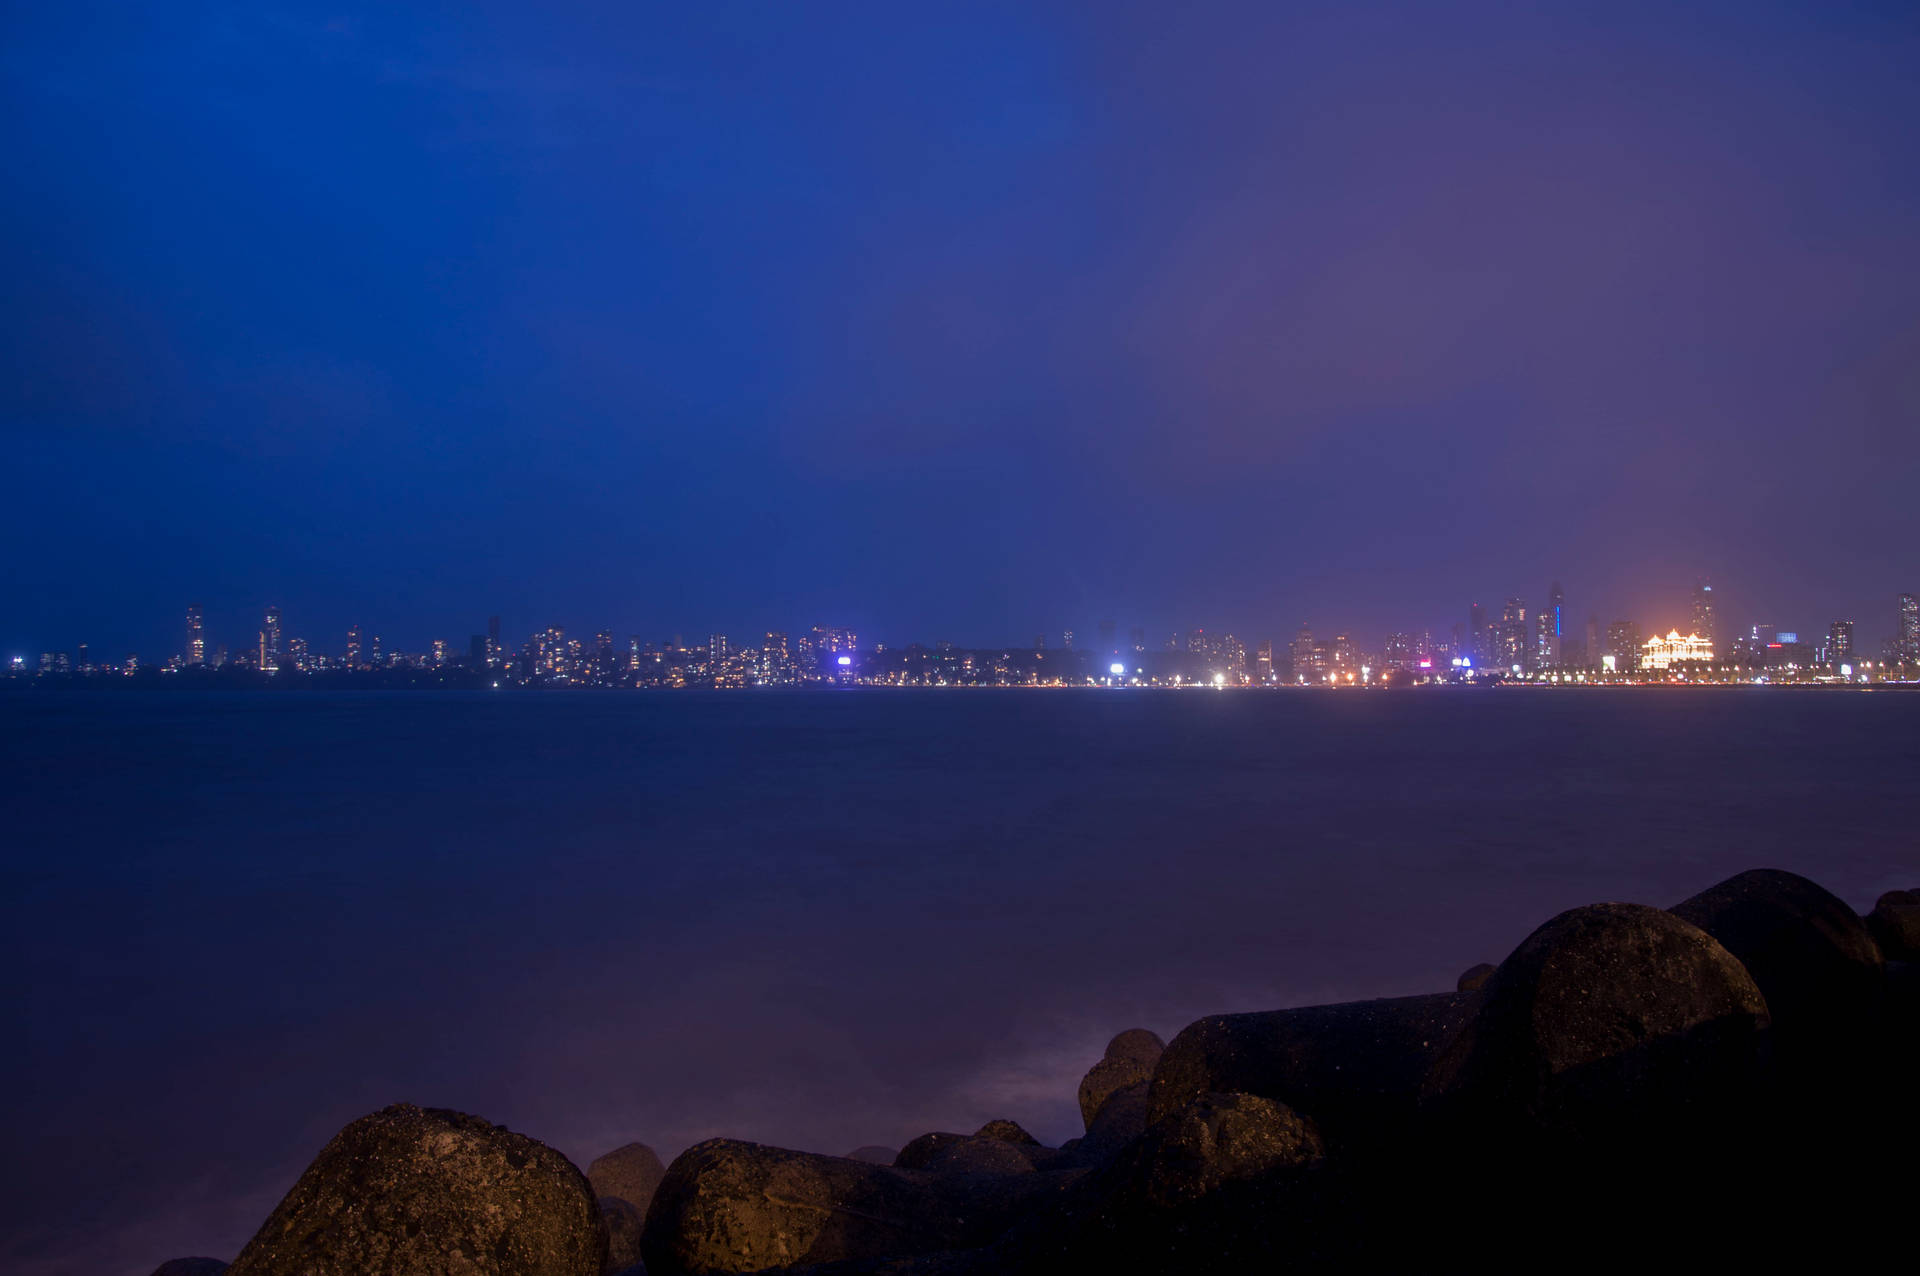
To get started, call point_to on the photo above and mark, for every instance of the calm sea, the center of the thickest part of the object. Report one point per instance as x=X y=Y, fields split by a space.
x=819 y=920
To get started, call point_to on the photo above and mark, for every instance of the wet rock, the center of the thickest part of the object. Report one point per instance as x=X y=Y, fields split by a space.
x=1212 y=1141
x=1474 y=978
x=632 y=1173
x=728 y=1206
x=1895 y=924
x=1608 y=1018
x=1813 y=958
x=1129 y=1060
x=410 y=1189
x=874 y=1154
x=190 y=1267
x=624 y=1223
x=1355 y=1068
x=943 y=1153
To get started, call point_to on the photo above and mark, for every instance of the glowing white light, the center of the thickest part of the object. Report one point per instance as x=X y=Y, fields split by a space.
x=846 y=660
x=1116 y=669
x=1219 y=680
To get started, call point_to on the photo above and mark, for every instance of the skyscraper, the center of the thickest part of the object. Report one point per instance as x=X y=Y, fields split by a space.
x=493 y=640
x=353 y=647
x=1303 y=664
x=1593 y=641
x=1477 y=645
x=1623 y=644
x=1908 y=642
x=1703 y=614
x=270 y=641
x=1552 y=629
x=1839 y=641
x=1512 y=648
x=196 y=637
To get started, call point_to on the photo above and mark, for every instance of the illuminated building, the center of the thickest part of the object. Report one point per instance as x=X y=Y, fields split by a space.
x=1593 y=640
x=1262 y=662
x=353 y=647
x=1549 y=644
x=1303 y=654
x=196 y=637
x=439 y=651
x=297 y=654
x=1907 y=641
x=1477 y=645
x=1138 y=639
x=493 y=641
x=270 y=642
x=1839 y=641
x=1197 y=642
x=1664 y=653
x=1066 y=640
x=1398 y=652
x=1511 y=648
x=1342 y=653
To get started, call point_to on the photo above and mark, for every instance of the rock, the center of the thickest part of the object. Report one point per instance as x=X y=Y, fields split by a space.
x=1130 y=1059
x=1813 y=959
x=410 y=1189
x=190 y=1267
x=729 y=1206
x=1006 y=1132
x=1214 y=1140
x=1474 y=978
x=1121 y=1120
x=1355 y=1068
x=874 y=1154
x=638 y=1269
x=624 y=1223
x=631 y=1173
x=1895 y=924
x=943 y=1153
x=1608 y=1018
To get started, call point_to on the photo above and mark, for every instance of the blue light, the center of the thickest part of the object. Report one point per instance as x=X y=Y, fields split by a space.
x=846 y=660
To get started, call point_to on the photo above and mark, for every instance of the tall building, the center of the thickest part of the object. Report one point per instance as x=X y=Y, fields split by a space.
x=1478 y=648
x=1398 y=652
x=1303 y=650
x=1197 y=642
x=1137 y=638
x=1623 y=644
x=270 y=641
x=353 y=647
x=493 y=640
x=196 y=637
x=1511 y=646
x=1066 y=639
x=1593 y=640
x=1907 y=644
x=1839 y=641
x=1262 y=661
x=1551 y=640
x=1704 y=619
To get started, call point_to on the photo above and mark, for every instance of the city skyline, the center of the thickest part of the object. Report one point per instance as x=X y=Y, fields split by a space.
x=1521 y=638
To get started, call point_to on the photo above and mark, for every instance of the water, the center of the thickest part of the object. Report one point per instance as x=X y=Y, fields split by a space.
x=819 y=920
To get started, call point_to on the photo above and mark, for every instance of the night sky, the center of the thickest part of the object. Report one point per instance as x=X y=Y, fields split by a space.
x=953 y=322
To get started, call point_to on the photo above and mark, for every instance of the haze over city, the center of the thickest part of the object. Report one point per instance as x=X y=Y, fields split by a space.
x=946 y=325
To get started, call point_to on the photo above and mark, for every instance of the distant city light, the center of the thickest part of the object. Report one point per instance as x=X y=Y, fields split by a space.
x=1116 y=669
x=846 y=660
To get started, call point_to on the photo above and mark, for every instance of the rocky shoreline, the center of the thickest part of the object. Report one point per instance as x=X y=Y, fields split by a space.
x=1732 y=1079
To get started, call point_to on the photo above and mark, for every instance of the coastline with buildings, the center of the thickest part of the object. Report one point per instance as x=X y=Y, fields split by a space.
x=1519 y=646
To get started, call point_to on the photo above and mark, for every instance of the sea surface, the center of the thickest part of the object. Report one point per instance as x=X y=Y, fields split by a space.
x=233 y=923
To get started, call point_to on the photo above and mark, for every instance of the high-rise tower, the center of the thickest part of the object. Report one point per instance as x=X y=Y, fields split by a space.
x=1703 y=614
x=196 y=637
x=270 y=641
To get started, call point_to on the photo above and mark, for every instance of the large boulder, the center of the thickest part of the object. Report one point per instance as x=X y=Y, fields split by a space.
x=632 y=1173
x=1129 y=1061
x=1895 y=923
x=1474 y=978
x=1607 y=1018
x=1121 y=1120
x=729 y=1206
x=1214 y=1140
x=426 y=1190
x=190 y=1267
x=1812 y=957
x=624 y=1224
x=1354 y=1068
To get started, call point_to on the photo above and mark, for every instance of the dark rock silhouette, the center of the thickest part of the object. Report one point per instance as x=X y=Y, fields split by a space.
x=1215 y=1140
x=1606 y=1012
x=624 y=1224
x=965 y=1154
x=1895 y=924
x=1121 y=1120
x=410 y=1189
x=190 y=1267
x=729 y=1206
x=1005 y=1131
x=632 y=1173
x=1812 y=957
x=1474 y=978
x=1129 y=1060
x=874 y=1154
x=1355 y=1068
